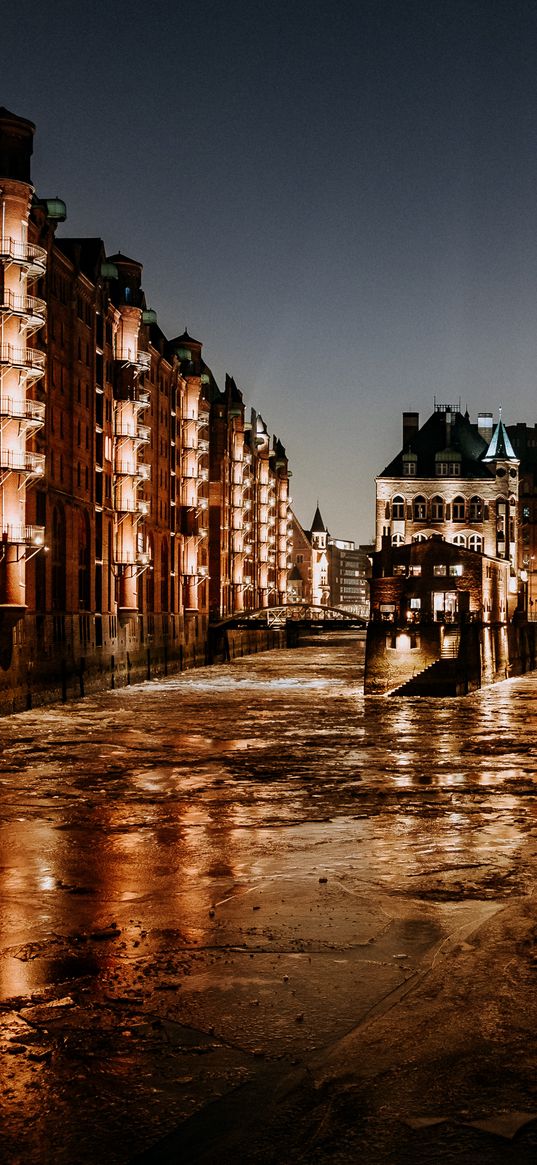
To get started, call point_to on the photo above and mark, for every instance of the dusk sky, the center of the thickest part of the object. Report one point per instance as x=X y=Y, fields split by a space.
x=339 y=199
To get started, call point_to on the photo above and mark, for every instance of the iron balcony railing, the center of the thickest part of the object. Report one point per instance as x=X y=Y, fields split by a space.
x=26 y=359
x=29 y=255
x=23 y=535
x=141 y=360
x=126 y=429
x=131 y=558
x=32 y=411
x=128 y=469
x=30 y=306
x=142 y=397
x=131 y=506
x=31 y=463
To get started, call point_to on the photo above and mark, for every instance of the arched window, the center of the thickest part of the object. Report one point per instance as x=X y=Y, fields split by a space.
x=459 y=540
x=437 y=509
x=458 y=509
x=419 y=538
x=476 y=510
x=398 y=540
x=419 y=509
x=398 y=508
x=475 y=542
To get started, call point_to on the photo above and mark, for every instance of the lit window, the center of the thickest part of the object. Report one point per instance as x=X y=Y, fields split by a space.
x=440 y=569
x=456 y=569
x=475 y=543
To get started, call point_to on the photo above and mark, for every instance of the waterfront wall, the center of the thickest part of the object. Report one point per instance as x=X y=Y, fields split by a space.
x=485 y=654
x=52 y=662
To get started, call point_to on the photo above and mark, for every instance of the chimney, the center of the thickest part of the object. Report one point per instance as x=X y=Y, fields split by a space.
x=485 y=426
x=411 y=424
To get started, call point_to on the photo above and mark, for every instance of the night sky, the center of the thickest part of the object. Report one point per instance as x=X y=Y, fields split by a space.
x=339 y=199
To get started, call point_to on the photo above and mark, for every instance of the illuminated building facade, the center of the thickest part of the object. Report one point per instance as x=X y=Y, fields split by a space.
x=137 y=499
x=457 y=480
x=448 y=596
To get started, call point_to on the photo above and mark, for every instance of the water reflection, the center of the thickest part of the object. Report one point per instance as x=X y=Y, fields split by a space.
x=150 y=807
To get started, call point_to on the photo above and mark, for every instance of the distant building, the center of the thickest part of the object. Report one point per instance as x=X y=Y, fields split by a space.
x=300 y=564
x=318 y=536
x=349 y=571
x=455 y=479
x=446 y=571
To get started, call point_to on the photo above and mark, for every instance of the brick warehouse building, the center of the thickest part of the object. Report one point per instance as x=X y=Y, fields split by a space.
x=137 y=499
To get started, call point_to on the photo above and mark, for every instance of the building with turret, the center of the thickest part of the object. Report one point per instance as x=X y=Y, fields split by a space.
x=319 y=538
x=455 y=479
x=447 y=582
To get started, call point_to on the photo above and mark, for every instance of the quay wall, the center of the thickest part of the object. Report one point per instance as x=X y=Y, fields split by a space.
x=50 y=661
x=486 y=654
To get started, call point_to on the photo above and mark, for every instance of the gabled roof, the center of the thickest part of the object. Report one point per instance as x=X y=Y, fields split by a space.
x=500 y=447
x=456 y=438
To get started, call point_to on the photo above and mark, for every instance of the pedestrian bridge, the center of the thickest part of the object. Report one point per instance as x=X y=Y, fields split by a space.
x=295 y=614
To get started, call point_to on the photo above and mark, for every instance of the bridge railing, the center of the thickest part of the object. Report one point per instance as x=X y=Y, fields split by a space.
x=279 y=616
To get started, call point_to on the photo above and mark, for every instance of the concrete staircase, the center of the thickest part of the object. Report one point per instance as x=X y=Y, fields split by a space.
x=443 y=677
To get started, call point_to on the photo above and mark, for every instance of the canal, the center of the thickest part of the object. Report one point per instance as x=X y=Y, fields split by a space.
x=222 y=873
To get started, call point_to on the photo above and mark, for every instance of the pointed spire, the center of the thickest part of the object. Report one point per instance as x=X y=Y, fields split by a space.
x=500 y=447
x=318 y=526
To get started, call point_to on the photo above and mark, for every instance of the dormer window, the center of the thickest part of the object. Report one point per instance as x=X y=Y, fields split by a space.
x=409 y=464
x=448 y=463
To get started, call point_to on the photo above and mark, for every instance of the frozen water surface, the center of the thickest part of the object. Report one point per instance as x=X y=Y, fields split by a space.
x=232 y=865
